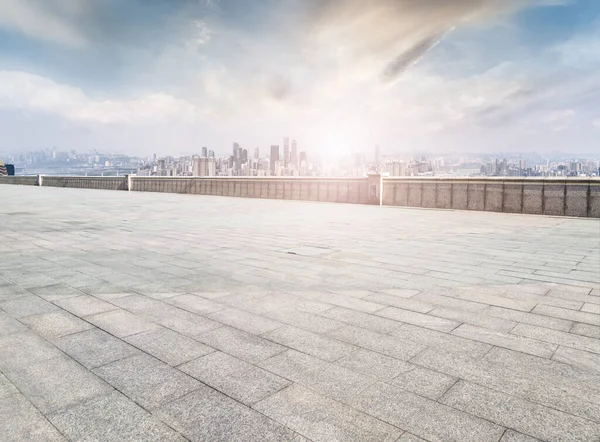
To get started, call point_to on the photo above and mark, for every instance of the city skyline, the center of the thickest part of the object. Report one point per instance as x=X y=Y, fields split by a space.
x=474 y=75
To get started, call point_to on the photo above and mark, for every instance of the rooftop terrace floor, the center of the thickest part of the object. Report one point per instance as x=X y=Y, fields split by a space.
x=140 y=316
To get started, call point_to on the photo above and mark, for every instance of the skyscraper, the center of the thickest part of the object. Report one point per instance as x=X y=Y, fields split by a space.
x=205 y=152
x=273 y=158
x=256 y=153
x=286 y=150
x=294 y=159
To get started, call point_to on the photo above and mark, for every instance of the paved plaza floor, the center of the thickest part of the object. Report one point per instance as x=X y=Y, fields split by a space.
x=163 y=317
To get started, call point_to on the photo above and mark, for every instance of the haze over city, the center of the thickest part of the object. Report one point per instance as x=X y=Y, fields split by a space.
x=169 y=77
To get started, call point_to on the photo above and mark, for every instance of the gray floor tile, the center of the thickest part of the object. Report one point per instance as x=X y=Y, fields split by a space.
x=169 y=346
x=148 y=381
x=374 y=364
x=27 y=306
x=112 y=417
x=529 y=318
x=240 y=380
x=424 y=382
x=56 y=324
x=525 y=345
x=21 y=421
x=19 y=350
x=121 y=323
x=586 y=330
x=578 y=358
x=513 y=436
x=246 y=321
x=427 y=321
x=10 y=325
x=93 y=348
x=423 y=417
x=56 y=384
x=328 y=379
x=521 y=415
x=84 y=305
x=569 y=315
x=384 y=344
x=6 y=387
x=311 y=343
x=195 y=304
x=412 y=304
x=322 y=419
x=240 y=344
x=206 y=414
x=558 y=337
x=477 y=319
x=305 y=321
x=360 y=319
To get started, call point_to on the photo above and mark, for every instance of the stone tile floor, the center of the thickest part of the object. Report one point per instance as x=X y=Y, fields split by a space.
x=138 y=316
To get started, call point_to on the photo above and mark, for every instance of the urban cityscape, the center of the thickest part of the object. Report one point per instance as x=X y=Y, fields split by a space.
x=290 y=159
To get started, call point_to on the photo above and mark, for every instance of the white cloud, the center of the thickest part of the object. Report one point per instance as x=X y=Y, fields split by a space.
x=52 y=20
x=32 y=93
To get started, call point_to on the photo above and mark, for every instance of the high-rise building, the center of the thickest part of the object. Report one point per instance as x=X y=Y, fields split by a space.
x=294 y=159
x=274 y=158
x=244 y=156
x=211 y=154
x=286 y=151
x=205 y=152
x=256 y=153
x=204 y=166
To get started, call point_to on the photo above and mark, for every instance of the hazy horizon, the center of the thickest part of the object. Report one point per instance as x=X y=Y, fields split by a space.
x=339 y=76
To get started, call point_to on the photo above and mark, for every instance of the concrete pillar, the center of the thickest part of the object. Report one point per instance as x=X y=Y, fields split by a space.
x=375 y=186
x=130 y=182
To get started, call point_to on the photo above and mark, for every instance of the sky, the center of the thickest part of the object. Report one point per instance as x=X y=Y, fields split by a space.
x=339 y=76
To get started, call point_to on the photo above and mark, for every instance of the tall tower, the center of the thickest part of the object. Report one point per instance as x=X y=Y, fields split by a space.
x=294 y=159
x=205 y=152
x=274 y=158
x=286 y=150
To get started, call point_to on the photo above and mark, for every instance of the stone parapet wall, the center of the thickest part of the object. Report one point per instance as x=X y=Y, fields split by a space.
x=340 y=190
x=104 y=183
x=577 y=197
x=20 y=180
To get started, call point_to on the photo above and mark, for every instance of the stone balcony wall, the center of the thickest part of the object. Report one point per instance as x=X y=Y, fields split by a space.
x=577 y=197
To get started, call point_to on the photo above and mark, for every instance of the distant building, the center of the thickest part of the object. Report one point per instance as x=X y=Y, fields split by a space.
x=274 y=158
x=377 y=155
x=3 y=171
x=256 y=153
x=10 y=169
x=294 y=158
x=204 y=166
x=205 y=152
x=286 y=151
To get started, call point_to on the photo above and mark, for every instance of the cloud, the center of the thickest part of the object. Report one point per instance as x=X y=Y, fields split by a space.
x=32 y=93
x=51 y=20
x=328 y=70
